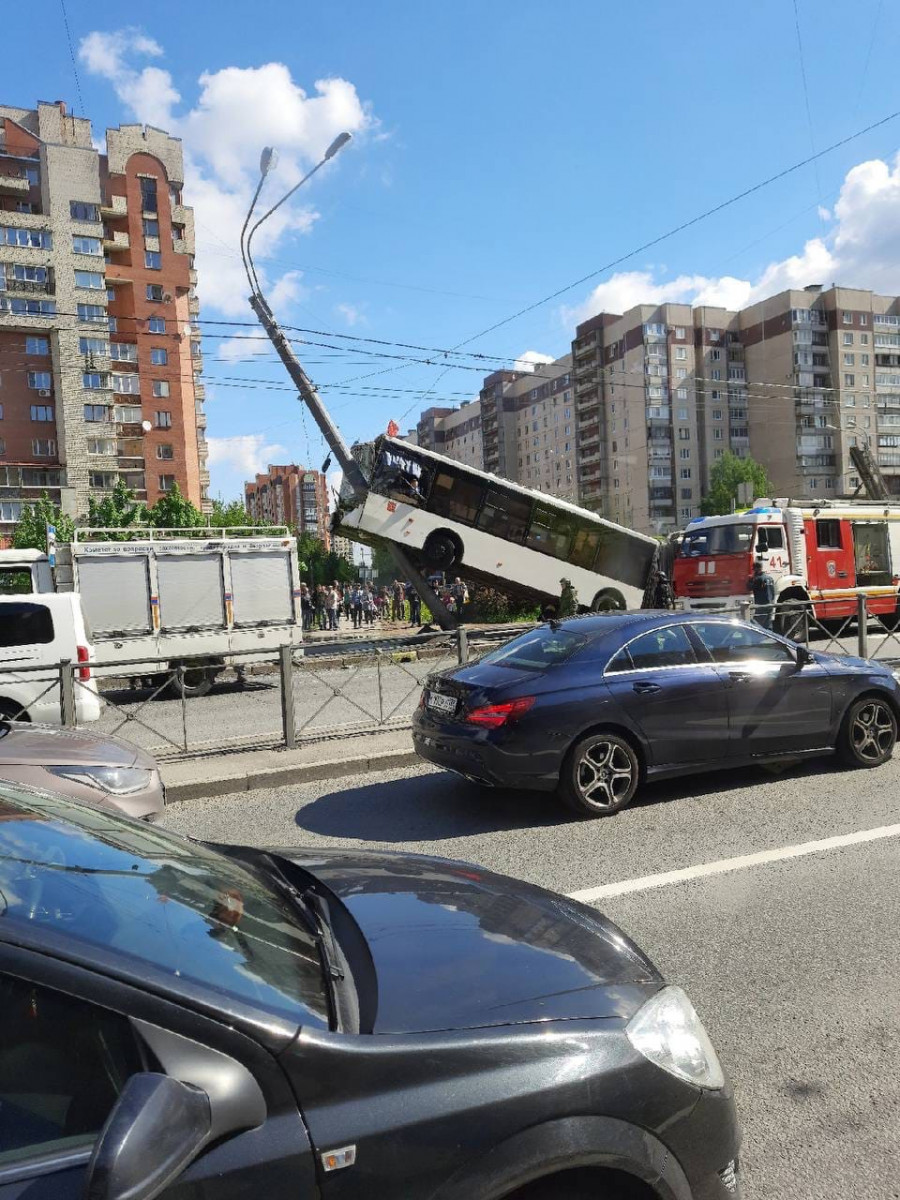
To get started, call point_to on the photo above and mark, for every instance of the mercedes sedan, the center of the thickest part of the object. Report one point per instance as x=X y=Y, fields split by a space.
x=594 y=706
x=185 y=1020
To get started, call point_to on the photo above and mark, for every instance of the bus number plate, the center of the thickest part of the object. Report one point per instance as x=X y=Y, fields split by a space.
x=441 y=704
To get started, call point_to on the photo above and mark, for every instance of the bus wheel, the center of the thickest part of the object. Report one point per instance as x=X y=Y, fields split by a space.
x=441 y=551
x=609 y=600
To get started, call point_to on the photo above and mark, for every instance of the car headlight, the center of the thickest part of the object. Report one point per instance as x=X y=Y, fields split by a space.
x=117 y=780
x=671 y=1035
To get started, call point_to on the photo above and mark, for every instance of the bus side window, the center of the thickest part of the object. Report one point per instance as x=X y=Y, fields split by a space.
x=587 y=539
x=551 y=532
x=505 y=515
x=455 y=497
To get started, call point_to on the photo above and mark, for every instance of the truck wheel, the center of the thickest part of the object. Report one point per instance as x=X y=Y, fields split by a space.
x=12 y=712
x=195 y=680
x=789 y=620
x=441 y=551
x=609 y=600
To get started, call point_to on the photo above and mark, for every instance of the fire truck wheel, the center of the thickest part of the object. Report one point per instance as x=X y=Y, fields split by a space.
x=868 y=733
x=789 y=620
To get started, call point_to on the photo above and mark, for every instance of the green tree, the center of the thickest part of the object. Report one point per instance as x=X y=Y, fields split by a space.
x=226 y=516
x=30 y=532
x=175 y=511
x=726 y=477
x=318 y=565
x=120 y=509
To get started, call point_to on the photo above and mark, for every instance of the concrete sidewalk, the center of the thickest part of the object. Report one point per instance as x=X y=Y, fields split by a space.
x=222 y=773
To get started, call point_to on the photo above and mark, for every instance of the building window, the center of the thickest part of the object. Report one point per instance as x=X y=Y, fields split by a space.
x=848 y=318
x=153 y=260
x=41 y=380
x=162 y=420
x=681 y=353
x=93 y=345
x=43 y=448
x=686 y=493
x=90 y=279
x=81 y=210
x=34 y=239
x=166 y=483
x=96 y=412
x=684 y=473
x=679 y=332
x=150 y=227
x=123 y=352
x=92 y=312
x=86 y=245
x=681 y=372
x=154 y=292
x=165 y=451
x=128 y=414
x=849 y=360
x=682 y=393
x=94 y=381
x=863 y=319
x=156 y=325
x=101 y=446
x=849 y=381
x=718 y=435
x=127 y=385
x=160 y=387
x=684 y=435
x=148 y=195
x=102 y=479
x=37 y=345
x=684 y=452
x=42 y=412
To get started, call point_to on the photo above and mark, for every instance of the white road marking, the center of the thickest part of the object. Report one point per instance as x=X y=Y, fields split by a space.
x=726 y=865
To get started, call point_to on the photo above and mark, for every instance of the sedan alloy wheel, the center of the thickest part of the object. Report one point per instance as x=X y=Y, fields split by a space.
x=870 y=732
x=602 y=776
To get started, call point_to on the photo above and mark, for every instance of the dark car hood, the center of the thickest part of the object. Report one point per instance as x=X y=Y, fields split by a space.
x=844 y=664
x=457 y=947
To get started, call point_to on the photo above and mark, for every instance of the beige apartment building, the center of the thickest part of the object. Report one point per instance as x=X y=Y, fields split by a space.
x=99 y=331
x=522 y=427
x=293 y=496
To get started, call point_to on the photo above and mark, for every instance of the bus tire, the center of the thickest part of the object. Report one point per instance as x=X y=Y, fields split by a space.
x=441 y=551
x=608 y=600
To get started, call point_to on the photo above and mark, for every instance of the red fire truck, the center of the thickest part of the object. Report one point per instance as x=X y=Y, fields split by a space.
x=821 y=557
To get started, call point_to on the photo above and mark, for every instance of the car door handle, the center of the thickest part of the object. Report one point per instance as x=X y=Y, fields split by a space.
x=739 y=676
x=646 y=689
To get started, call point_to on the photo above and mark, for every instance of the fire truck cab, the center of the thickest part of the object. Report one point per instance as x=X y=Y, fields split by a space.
x=823 y=554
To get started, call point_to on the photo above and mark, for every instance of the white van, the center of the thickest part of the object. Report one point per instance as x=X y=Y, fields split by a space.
x=40 y=631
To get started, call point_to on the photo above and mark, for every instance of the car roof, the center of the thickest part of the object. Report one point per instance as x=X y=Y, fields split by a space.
x=650 y=618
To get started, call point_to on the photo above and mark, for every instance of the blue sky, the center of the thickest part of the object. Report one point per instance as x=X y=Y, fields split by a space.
x=502 y=149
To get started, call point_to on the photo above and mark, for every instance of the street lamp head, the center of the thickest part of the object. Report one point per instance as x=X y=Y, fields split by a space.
x=338 y=144
x=267 y=160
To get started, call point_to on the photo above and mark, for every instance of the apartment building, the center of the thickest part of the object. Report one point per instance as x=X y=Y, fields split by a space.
x=292 y=496
x=99 y=339
x=522 y=427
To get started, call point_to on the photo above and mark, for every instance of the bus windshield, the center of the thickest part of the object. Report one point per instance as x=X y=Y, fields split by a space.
x=718 y=539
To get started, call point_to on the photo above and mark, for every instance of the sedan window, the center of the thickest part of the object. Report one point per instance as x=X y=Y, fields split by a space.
x=63 y=1064
x=669 y=647
x=728 y=642
x=537 y=650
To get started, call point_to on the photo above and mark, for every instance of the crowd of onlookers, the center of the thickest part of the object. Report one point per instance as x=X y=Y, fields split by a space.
x=359 y=604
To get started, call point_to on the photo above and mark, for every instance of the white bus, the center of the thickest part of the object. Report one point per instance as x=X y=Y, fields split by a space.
x=453 y=518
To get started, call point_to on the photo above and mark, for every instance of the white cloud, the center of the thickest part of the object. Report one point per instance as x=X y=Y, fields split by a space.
x=862 y=249
x=246 y=455
x=238 y=111
x=351 y=314
x=287 y=290
x=243 y=349
x=530 y=359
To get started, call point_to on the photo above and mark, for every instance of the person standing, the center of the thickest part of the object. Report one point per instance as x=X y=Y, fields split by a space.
x=332 y=604
x=415 y=607
x=762 y=585
x=306 y=607
x=356 y=606
x=398 y=606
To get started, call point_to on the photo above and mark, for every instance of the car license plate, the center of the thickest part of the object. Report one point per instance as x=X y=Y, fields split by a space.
x=442 y=704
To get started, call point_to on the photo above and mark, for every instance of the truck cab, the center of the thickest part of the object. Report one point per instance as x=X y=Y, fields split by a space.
x=716 y=556
x=24 y=571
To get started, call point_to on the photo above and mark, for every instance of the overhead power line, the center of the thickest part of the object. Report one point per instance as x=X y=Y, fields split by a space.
x=65 y=17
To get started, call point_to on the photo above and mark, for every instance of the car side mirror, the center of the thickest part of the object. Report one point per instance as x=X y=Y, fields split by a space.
x=803 y=656
x=156 y=1129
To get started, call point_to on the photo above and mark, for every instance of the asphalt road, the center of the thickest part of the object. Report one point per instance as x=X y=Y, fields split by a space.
x=793 y=964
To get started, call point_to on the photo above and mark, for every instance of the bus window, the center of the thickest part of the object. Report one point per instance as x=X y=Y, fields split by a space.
x=505 y=515
x=456 y=497
x=400 y=477
x=619 y=557
x=550 y=532
x=587 y=539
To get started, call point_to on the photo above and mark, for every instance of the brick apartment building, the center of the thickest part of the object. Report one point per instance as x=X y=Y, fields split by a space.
x=99 y=341
x=292 y=496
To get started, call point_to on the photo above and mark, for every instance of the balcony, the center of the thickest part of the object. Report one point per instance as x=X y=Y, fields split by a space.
x=116 y=206
x=201 y=419
x=179 y=245
x=194 y=306
x=14 y=185
x=196 y=335
x=113 y=241
x=204 y=477
x=199 y=392
x=193 y=277
x=180 y=214
x=28 y=287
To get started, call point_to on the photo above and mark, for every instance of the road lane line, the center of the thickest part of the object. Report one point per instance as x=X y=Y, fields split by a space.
x=726 y=865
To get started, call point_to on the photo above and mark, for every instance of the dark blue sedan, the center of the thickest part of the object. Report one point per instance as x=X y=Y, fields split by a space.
x=595 y=705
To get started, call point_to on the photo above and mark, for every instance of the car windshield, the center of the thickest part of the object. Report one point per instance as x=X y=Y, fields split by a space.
x=537 y=650
x=718 y=539
x=172 y=905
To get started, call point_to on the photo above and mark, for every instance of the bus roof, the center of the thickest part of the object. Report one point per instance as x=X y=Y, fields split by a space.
x=543 y=497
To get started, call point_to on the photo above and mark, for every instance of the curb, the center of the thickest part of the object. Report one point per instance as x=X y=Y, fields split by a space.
x=249 y=781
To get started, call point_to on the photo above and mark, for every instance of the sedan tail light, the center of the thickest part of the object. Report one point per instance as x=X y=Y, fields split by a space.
x=494 y=715
x=84 y=673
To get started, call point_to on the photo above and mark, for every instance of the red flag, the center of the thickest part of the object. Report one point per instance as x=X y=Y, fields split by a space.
x=393 y=429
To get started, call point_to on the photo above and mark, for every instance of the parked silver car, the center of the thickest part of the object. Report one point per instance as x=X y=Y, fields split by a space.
x=83 y=766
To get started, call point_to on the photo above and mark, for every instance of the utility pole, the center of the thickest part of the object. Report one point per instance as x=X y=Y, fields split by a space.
x=310 y=397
